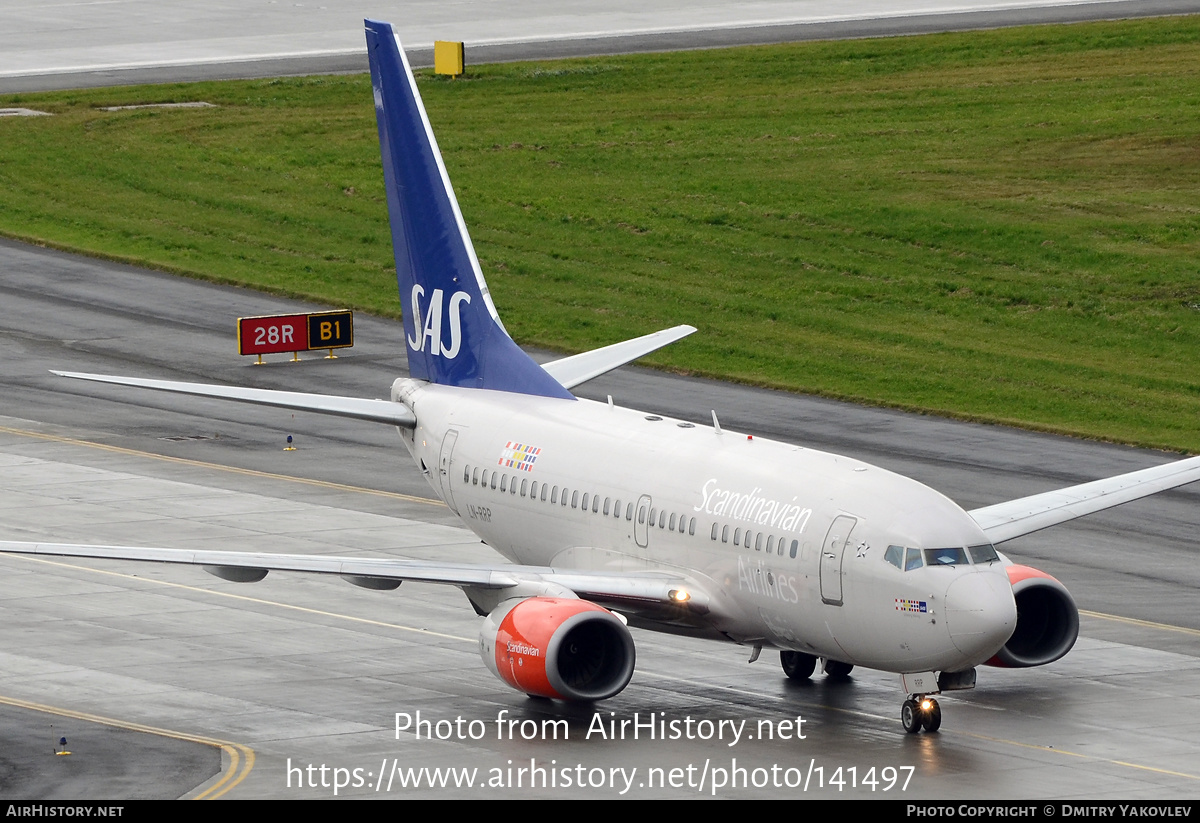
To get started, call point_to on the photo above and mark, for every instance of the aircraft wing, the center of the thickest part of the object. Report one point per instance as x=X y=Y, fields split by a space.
x=640 y=591
x=376 y=411
x=1005 y=521
x=580 y=368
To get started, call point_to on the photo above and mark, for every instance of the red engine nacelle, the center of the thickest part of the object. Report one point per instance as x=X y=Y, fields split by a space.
x=558 y=647
x=1047 y=620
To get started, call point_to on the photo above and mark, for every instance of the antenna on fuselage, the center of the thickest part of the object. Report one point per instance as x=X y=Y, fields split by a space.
x=716 y=423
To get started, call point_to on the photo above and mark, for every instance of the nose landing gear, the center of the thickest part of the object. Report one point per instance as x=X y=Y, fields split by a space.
x=920 y=711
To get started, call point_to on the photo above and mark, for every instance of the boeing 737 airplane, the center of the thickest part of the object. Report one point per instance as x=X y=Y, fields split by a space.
x=613 y=518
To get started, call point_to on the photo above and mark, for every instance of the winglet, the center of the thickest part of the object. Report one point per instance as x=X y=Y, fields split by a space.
x=453 y=332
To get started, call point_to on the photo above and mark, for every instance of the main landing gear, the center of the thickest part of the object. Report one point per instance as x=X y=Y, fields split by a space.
x=921 y=712
x=797 y=665
x=800 y=666
x=837 y=669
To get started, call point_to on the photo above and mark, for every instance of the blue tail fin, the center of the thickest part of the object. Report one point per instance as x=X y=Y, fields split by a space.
x=453 y=332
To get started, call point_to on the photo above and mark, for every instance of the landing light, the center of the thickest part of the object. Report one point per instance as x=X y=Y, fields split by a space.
x=926 y=705
x=679 y=595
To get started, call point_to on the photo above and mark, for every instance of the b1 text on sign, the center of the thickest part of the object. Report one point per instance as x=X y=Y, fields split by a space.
x=331 y=330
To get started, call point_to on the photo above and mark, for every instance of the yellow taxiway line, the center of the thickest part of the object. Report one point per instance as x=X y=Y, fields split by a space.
x=241 y=757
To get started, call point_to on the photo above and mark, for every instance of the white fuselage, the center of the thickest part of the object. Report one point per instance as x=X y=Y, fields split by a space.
x=787 y=543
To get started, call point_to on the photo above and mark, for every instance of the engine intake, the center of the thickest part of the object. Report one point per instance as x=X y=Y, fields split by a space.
x=1047 y=620
x=558 y=647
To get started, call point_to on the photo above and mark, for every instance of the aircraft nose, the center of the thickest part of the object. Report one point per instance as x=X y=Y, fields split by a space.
x=981 y=613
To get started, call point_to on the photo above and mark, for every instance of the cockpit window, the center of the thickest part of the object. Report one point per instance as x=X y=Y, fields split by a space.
x=946 y=557
x=895 y=556
x=983 y=554
x=912 y=559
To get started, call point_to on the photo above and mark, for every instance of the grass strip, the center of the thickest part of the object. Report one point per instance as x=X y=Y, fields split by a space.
x=999 y=226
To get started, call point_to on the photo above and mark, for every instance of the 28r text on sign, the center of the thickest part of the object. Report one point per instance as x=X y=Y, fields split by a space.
x=275 y=333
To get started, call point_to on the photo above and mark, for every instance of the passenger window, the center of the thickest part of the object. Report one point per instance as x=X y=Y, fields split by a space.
x=494 y=480
x=672 y=521
x=585 y=501
x=895 y=556
x=737 y=537
x=607 y=508
x=714 y=531
x=554 y=495
x=725 y=535
x=758 y=543
x=466 y=474
x=504 y=482
x=524 y=486
x=544 y=490
x=575 y=499
x=795 y=545
x=564 y=496
x=912 y=559
x=662 y=519
x=595 y=503
x=533 y=490
x=641 y=514
x=628 y=511
x=692 y=526
x=475 y=478
x=653 y=515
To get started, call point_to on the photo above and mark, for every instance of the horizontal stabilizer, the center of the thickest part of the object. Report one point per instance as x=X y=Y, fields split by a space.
x=580 y=368
x=377 y=411
x=1005 y=521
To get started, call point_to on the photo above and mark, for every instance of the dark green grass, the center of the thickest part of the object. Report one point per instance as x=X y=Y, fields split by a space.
x=998 y=225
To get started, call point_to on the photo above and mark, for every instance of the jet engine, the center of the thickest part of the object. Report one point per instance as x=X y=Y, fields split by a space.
x=1047 y=620
x=558 y=647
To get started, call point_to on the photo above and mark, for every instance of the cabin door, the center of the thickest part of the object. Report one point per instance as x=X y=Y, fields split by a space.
x=833 y=551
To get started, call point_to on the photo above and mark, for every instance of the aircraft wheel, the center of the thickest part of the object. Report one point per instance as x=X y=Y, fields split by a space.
x=836 y=668
x=910 y=716
x=797 y=665
x=933 y=717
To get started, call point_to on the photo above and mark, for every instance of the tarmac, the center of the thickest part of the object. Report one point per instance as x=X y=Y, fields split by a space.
x=297 y=671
